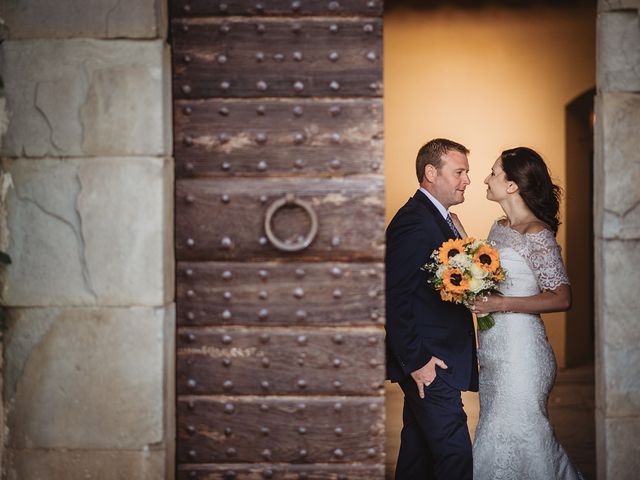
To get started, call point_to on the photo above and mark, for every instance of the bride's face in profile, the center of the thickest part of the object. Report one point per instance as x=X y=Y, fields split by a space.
x=497 y=183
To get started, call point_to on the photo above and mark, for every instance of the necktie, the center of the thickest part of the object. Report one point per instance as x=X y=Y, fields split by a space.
x=453 y=227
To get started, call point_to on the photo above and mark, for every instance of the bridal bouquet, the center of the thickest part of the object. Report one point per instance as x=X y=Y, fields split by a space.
x=465 y=269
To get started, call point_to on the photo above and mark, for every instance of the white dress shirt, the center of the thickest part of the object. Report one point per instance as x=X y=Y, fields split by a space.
x=443 y=211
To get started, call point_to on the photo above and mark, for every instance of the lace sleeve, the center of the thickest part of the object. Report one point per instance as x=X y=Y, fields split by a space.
x=546 y=261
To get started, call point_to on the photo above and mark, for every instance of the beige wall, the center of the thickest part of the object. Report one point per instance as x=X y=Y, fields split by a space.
x=490 y=79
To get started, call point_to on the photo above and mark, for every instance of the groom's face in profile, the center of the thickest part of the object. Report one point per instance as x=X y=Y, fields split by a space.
x=448 y=182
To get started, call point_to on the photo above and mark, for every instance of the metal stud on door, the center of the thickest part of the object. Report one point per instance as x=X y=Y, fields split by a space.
x=279 y=238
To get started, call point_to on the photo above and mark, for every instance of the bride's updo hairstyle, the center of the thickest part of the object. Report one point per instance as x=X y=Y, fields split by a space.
x=526 y=168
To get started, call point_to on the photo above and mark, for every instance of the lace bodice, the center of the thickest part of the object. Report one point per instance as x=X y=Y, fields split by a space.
x=539 y=250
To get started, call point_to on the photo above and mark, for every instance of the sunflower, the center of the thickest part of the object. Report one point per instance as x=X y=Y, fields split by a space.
x=447 y=296
x=499 y=275
x=454 y=281
x=487 y=258
x=449 y=249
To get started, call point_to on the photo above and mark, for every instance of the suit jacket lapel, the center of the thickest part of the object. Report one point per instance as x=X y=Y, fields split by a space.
x=433 y=210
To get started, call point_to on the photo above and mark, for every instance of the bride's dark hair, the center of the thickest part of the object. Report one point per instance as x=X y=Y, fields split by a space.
x=527 y=169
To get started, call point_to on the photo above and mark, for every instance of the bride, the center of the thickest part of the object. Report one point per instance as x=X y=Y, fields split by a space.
x=514 y=439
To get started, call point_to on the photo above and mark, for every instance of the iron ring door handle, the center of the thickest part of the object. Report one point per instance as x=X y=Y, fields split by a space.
x=289 y=200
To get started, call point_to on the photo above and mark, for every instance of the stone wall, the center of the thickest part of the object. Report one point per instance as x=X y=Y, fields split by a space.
x=4 y=239
x=617 y=240
x=88 y=176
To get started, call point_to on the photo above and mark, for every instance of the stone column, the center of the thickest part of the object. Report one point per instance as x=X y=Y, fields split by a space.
x=617 y=240
x=88 y=196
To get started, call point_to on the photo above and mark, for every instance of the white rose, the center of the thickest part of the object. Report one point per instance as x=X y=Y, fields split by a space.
x=476 y=285
x=478 y=272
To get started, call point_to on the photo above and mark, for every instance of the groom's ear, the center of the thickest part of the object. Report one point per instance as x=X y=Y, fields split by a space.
x=430 y=172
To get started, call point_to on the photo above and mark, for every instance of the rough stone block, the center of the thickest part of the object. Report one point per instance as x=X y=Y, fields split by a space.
x=92 y=231
x=598 y=170
x=618 y=162
x=608 y=5
x=87 y=378
x=599 y=245
x=601 y=443
x=84 y=18
x=86 y=464
x=619 y=333
x=618 y=53
x=619 y=450
x=87 y=98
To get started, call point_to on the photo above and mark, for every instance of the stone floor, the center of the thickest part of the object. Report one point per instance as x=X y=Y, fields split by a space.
x=571 y=410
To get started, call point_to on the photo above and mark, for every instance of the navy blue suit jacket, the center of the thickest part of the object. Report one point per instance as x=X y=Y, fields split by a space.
x=419 y=324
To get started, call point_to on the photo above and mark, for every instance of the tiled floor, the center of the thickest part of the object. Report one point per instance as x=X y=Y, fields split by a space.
x=571 y=410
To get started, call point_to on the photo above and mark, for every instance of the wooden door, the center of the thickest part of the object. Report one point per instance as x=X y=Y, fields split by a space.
x=279 y=238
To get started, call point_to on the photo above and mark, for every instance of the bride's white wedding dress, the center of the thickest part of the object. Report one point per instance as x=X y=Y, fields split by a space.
x=514 y=440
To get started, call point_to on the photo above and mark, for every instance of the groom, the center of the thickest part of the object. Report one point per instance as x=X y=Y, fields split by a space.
x=431 y=345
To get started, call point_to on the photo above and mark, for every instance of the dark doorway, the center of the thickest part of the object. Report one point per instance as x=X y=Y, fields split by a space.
x=579 y=228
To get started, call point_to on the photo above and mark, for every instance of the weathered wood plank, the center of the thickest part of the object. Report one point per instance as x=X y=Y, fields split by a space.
x=278 y=137
x=271 y=429
x=235 y=360
x=269 y=57
x=270 y=293
x=281 y=472
x=191 y=8
x=221 y=220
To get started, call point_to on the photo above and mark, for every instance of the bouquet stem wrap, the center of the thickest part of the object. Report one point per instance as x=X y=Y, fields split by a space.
x=485 y=321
